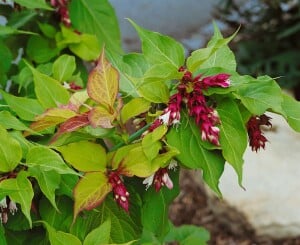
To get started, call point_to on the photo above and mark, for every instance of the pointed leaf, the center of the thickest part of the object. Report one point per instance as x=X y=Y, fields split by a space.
x=200 y=56
x=8 y=121
x=59 y=237
x=90 y=191
x=64 y=67
x=155 y=91
x=187 y=138
x=291 y=107
x=259 y=95
x=134 y=108
x=24 y=194
x=48 y=181
x=48 y=160
x=99 y=235
x=151 y=142
x=26 y=108
x=103 y=83
x=98 y=19
x=232 y=130
x=51 y=117
x=160 y=49
x=72 y=124
x=101 y=117
x=85 y=156
x=10 y=151
x=49 y=91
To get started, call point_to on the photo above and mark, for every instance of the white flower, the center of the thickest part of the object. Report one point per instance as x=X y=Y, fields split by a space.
x=165 y=118
x=173 y=164
x=148 y=181
x=3 y=203
x=12 y=207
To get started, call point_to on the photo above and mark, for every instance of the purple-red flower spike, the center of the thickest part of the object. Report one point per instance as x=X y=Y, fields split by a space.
x=220 y=80
x=162 y=178
x=256 y=138
x=120 y=192
x=62 y=9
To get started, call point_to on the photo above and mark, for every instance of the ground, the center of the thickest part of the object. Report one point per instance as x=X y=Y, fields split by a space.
x=226 y=226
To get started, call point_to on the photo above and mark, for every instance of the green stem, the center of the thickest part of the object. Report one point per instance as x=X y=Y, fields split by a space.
x=131 y=138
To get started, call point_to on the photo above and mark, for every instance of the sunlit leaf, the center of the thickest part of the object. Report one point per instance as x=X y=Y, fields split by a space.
x=101 y=117
x=85 y=156
x=10 y=151
x=47 y=160
x=90 y=191
x=103 y=83
x=63 y=67
x=134 y=108
x=51 y=117
x=59 y=237
x=49 y=91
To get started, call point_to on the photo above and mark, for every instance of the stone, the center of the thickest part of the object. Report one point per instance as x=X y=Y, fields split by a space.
x=271 y=200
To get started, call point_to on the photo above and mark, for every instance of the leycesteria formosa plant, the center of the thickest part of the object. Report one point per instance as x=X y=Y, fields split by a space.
x=92 y=140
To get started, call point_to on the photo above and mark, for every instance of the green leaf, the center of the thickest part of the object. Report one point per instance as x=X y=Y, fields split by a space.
x=159 y=49
x=37 y=4
x=8 y=121
x=90 y=191
x=259 y=95
x=59 y=237
x=24 y=143
x=188 y=234
x=40 y=49
x=222 y=58
x=134 y=108
x=132 y=68
x=2 y=236
x=232 y=130
x=85 y=156
x=156 y=92
x=63 y=67
x=48 y=181
x=10 y=152
x=59 y=219
x=26 y=108
x=49 y=91
x=291 y=108
x=47 y=160
x=6 y=57
x=156 y=219
x=216 y=49
x=48 y=30
x=151 y=142
x=103 y=83
x=88 y=48
x=193 y=154
x=24 y=194
x=67 y=184
x=98 y=19
x=100 y=235
x=9 y=30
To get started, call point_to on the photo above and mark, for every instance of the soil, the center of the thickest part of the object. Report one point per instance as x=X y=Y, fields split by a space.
x=226 y=225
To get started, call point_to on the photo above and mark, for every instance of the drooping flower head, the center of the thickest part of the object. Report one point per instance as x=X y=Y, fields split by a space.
x=120 y=192
x=256 y=138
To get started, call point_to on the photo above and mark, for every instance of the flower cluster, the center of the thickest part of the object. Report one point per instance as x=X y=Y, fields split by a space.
x=256 y=137
x=190 y=91
x=7 y=205
x=120 y=192
x=62 y=9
